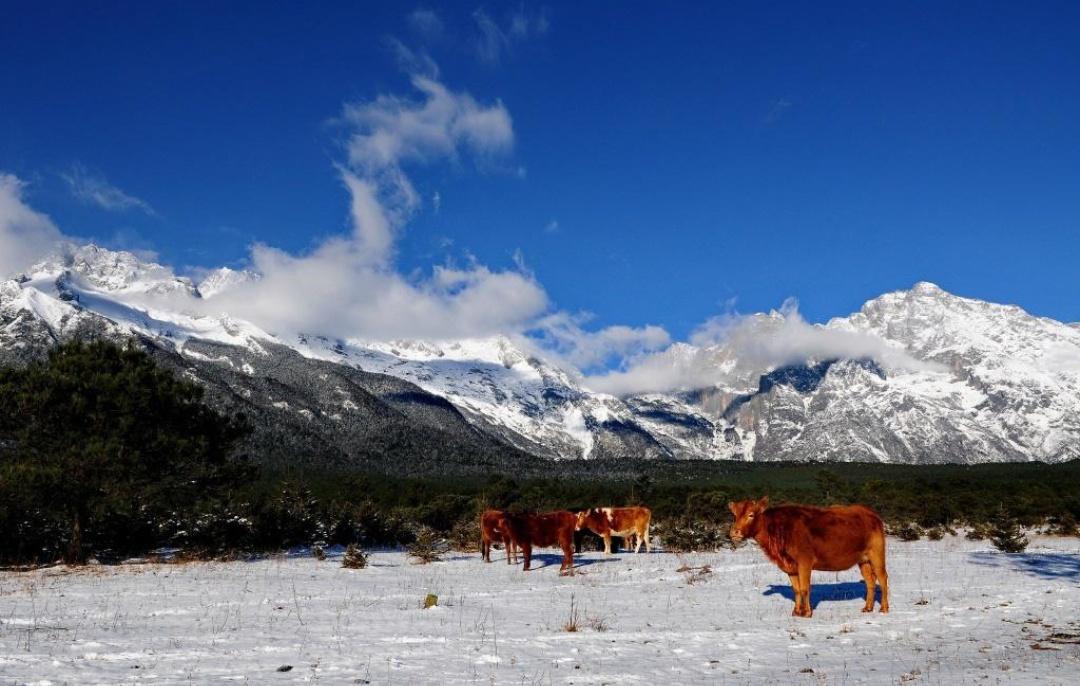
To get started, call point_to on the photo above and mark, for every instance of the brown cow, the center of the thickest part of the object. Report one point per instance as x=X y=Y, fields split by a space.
x=493 y=528
x=546 y=529
x=625 y=522
x=799 y=539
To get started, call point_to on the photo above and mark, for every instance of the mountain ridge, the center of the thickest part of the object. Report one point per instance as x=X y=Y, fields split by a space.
x=930 y=376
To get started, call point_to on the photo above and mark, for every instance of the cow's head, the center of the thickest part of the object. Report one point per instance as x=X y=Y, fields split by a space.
x=587 y=518
x=747 y=515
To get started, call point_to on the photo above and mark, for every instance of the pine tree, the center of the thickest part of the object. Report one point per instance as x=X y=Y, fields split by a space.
x=99 y=445
x=1005 y=533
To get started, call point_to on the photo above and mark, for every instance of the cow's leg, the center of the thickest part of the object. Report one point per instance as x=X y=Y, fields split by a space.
x=607 y=544
x=648 y=546
x=640 y=536
x=526 y=552
x=796 y=589
x=868 y=578
x=568 y=556
x=877 y=561
x=804 y=582
x=485 y=548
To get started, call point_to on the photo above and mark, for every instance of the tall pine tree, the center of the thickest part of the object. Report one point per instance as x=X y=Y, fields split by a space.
x=101 y=444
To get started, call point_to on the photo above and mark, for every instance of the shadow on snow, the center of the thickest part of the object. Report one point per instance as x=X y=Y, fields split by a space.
x=556 y=559
x=847 y=590
x=1042 y=565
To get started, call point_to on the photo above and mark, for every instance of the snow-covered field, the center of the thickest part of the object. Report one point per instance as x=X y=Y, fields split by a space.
x=961 y=613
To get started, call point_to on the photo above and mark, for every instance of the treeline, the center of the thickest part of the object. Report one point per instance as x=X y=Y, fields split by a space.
x=104 y=454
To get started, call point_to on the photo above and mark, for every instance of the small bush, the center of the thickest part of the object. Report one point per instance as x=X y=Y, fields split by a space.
x=465 y=535
x=318 y=552
x=354 y=558
x=428 y=546
x=1064 y=525
x=909 y=531
x=978 y=532
x=935 y=533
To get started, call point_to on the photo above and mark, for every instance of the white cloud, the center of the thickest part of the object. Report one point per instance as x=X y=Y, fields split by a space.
x=348 y=286
x=732 y=349
x=679 y=367
x=391 y=131
x=25 y=235
x=562 y=335
x=552 y=226
x=789 y=339
x=93 y=189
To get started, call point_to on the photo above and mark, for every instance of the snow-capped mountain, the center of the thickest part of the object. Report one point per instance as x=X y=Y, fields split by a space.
x=983 y=382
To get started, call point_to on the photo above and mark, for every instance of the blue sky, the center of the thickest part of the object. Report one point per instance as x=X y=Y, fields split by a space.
x=666 y=165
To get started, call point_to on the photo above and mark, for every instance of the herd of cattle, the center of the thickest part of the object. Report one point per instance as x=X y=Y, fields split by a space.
x=796 y=538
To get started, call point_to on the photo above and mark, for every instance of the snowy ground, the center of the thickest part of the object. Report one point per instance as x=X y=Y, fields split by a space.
x=960 y=614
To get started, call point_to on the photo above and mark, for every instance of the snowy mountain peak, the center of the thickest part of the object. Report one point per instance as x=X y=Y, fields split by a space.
x=113 y=271
x=224 y=278
x=927 y=288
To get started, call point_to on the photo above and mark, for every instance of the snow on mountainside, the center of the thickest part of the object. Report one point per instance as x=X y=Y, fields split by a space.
x=993 y=382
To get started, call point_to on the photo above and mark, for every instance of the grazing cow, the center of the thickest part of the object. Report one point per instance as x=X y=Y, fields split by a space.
x=625 y=522
x=547 y=529
x=493 y=528
x=799 y=539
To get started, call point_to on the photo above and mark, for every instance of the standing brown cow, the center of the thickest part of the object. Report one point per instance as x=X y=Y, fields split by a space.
x=544 y=530
x=799 y=539
x=493 y=528
x=625 y=522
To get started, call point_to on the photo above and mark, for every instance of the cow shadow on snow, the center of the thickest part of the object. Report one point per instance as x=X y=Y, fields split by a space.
x=1049 y=566
x=847 y=590
x=541 y=560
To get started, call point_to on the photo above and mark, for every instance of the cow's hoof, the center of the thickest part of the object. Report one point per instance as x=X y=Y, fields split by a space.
x=884 y=610
x=868 y=609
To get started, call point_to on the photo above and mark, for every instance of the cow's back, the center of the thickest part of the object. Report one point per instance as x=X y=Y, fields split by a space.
x=630 y=518
x=544 y=529
x=836 y=538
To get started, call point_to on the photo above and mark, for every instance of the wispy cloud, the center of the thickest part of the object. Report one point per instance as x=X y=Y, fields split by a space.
x=94 y=189
x=563 y=335
x=552 y=226
x=777 y=109
x=25 y=234
x=495 y=39
x=426 y=23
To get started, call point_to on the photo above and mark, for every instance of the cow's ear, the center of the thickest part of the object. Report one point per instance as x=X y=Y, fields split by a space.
x=731 y=506
x=764 y=502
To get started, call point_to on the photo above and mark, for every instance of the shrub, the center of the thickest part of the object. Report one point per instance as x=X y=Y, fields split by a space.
x=978 y=532
x=688 y=536
x=908 y=531
x=354 y=558
x=465 y=536
x=1064 y=525
x=935 y=533
x=428 y=546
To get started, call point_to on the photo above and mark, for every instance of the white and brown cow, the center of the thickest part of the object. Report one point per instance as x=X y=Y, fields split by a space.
x=617 y=521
